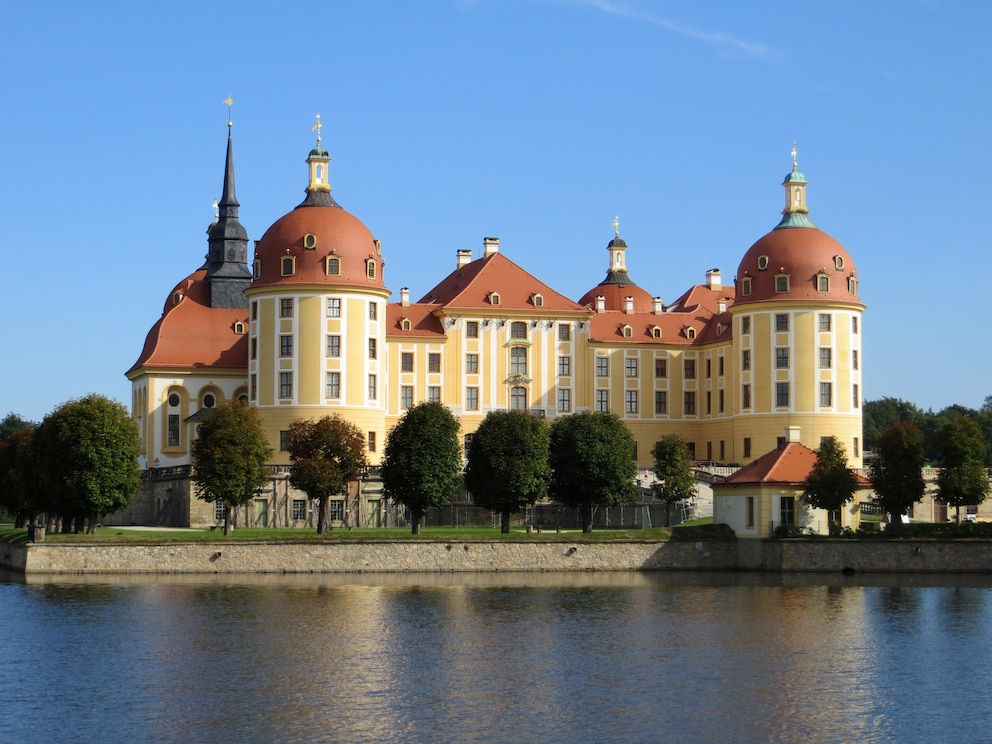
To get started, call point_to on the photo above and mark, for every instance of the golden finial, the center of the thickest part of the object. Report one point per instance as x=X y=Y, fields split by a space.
x=616 y=226
x=795 y=164
x=228 y=102
x=216 y=209
x=317 y=127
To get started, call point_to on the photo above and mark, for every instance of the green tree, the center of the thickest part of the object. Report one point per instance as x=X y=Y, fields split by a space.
x=325 y=456
x=830 y=484
x=13 y=423
x=591 y=462
x=508 y=463
x=87 y=458
x=879 y=415
x=673 y=469
x=229 y=456
x=897 y=472
x=963 y=480
x=19 y=491
x=422 y=464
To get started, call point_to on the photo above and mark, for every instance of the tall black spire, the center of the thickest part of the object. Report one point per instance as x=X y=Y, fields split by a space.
x=227 y=256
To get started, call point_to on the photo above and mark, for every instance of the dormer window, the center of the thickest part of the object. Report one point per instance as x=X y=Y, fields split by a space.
x=239 y=328
x=370 y=269
x=838 y=262
x=494 y=298
x=177 y=297
x=309 y=241
x=256 y=269
x=288 y=264
x=628 y=332
x=333 y=266
x=405 y=324
x=852 y=285
x=538 y=300
x=822 y=282
x=781 y=283
x=690 y=333
x=762 y=263
x=746 y=286
x=655 y=332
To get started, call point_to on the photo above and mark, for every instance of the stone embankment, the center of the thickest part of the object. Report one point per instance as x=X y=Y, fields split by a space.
x=477 y=555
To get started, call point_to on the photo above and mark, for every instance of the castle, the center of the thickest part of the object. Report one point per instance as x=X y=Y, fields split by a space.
x=306 y=327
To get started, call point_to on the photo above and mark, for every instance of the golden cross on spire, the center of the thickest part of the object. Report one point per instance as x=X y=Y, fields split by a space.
x=616 y=226
x=317 y=127
x=228 y=102
x=795 y=164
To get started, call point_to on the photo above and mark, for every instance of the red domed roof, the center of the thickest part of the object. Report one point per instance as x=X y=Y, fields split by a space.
x=615 y=294
x=313 y=234
x=803 y=255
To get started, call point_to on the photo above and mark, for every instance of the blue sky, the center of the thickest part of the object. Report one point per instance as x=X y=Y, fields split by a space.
x=535 y=121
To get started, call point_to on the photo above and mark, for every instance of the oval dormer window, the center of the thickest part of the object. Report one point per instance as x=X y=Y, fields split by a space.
x=762 y=263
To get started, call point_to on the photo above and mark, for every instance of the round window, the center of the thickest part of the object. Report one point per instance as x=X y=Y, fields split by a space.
x=174 y=400
x=208 y=401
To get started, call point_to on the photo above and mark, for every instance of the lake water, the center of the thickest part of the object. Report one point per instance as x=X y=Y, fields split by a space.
x=497 y=658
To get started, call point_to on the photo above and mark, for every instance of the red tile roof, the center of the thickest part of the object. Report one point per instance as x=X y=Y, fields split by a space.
x=788 y=466
x=423 y=322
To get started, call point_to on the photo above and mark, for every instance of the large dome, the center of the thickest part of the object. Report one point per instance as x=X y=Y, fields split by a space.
x=328 y=245
x=796 y=263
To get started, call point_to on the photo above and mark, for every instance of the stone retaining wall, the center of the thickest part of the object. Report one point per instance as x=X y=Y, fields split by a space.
x=410 y=556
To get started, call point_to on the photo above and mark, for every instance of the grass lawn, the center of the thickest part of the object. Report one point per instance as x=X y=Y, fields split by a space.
x=130 y=535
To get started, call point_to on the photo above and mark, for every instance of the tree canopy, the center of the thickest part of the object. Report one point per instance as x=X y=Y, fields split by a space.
x=962 y=480
x=19 y=490
x=87 y=458
x=325 y=456
x=422 y=463
x=229 y=456
x=830 y=484
x=673 y=469
x=591 y=457
x=12 y=423
x=896 y=473
x=508 y=463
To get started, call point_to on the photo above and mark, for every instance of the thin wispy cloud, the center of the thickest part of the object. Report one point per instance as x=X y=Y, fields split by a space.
x=619 y=9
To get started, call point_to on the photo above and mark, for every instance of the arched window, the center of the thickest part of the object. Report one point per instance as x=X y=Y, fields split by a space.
x=746 y=286
x=628 y=332
x=690 y=333
x=518 y=399
x=370 y=269
x=518 y=329
x=655 y=332
x=288 y=265
x=333 y=266
x=405 y=324
x=494 y=298
x=822 y=282
x=781 y=283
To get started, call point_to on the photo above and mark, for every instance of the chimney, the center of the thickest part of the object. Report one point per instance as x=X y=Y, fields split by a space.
x=628 y=305
x=792 y=434
x=491 y=246
x=657 y=306
x=464 y=257
x=713 y=279
x=601 y=304
x=405 y=297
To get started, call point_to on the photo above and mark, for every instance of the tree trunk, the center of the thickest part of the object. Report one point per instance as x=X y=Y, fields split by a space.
x=78 y=523
x=322 y=515
x=228 y=524
x=587 y=516
x=416 y=516
x=894 y=527
x=91 y=524
x=504 y=522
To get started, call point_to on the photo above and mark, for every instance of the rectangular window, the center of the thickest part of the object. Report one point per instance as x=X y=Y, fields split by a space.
x=602 y=366
x=173 y=430
x=782 y=322
x=472 y=364
x=747 y=446
x=781 y=393
x=254 y=310
x=564 y=366
x=298 y=511
x=746 y=324
x=856 y=398
x=602 y=400
x=518 y=329
x=709 y=368
x=825 y=358
x=709 y=451
x=723 y=451
x=219 y=509
x=750 y=511
x=719 y=366
x=373 y=311
x=826 y=394
x=472 y=398
x=333 y=307
x=721 y=400
x=434 y=363
x=254 y=348
x=709 y=408
x=332 y=386
x=745 y=396
x=285 y=384
x=434 y=394
x=406 y=396
x=782 y=358
x=689 y=367
x=824 y=322
x=518 y=360
x=472 y=329
x=373 y=348
x=854 y=359
x=660 y=401
x=854 y=324
x=856 y=448
x=254 y=386
x=746 y=359
x=406 y=361
x=564 y=400
x=564 y=332
x=661 y=368
x=787 y=510
x=630 y=366
x=333 y=346
x=285 y=441
x=689 y=404
x=286 y=308
x=692 y=450
x=630 y=401
x=373 y=387
x=335 y=510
